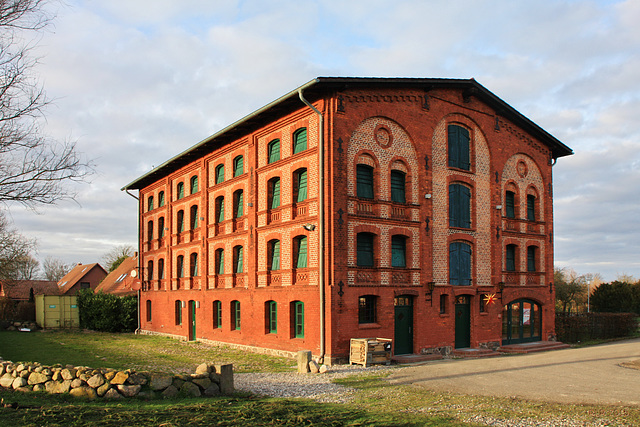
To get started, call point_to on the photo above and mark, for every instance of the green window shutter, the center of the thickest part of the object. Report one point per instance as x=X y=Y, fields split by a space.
x=236 y=308
x=398 y=187
x=150 y=203
x=161 y=227
x=275 y=255
x=194 y=217
x=511 y=258
x=364 y=243
x=301 y=261
x=160 y=269
x=459 y=206
x=364 y=181
x=239 y=204
x=238 y=166
x=194 y=265
x=239 y=256
x=465 y=207
x=180 y=190
x=180 y=221
x=531 y=207
x=194 y=184
x=302 y=186
x=459 y=264
x=274 y=151
x=217 y=314
x=219 y=174
x=509 y=201
x=275 y=193
x=220 y=261
x=531 y=258
x=180 y=266
x=458 y=141
x=220 y=216
x=299 y=319
x=398 y=251
x=300 y=140
x=273 y=317
x=161 y=199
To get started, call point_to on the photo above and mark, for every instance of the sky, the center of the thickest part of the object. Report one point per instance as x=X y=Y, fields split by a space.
x=137 y=82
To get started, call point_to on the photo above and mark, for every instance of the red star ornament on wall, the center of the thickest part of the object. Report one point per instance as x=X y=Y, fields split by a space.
x=490 y=299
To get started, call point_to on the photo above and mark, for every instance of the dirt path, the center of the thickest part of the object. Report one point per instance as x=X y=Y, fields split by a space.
x=583 y=375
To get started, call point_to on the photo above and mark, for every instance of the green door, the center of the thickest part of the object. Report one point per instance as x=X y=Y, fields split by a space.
x=403 y=339
x=463 y=322
x=192 y=320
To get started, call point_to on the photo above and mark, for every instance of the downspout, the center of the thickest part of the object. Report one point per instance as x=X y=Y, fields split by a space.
x=137 y=331
x=320 y=222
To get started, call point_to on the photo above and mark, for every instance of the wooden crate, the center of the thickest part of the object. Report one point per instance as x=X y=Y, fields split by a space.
x=368 y=351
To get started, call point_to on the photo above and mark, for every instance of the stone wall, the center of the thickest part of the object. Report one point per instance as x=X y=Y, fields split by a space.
x=79 y=381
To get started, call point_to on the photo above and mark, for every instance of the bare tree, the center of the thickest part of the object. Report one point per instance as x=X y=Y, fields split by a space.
x=14 y=248
x=55 y=269
x=115 y=256
x=34 y=169
x=27 y=268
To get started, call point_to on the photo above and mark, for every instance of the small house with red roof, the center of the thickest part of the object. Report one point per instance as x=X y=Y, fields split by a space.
x=82 y=276
x=20 y=290
x=123 y=281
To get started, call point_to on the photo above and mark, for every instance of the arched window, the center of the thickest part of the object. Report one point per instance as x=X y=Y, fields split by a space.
x=161 y=199
x=460 y=264
x=458 y=141
x=459 y=206
x=532 y=258
x=364 y=181
x=219 y=209
x=219 y=174
x=235 y=315
x=161 y=269
x=300 y=185
x=219 y=260
x=273 y=255
x=194 y=184
x=238 y=204
x=273 y=193
x=150 y=270
x=180 y=266
x=160 y=227
x=217 y=314
x=271 y=317
x=194 y=217
x=238 y=255
x=367 y=312
x=193 y=264
x=178 y=312
x=510 y=255
x=148 y=310
x=150 y=203
x=299 y=140
x=510 y=204
x=180 y=221
x=364 y=250
x=150 y=230
x=531 y=207
x=398 y=251
x=300 y=252
x=180 y=190
x=273 y=151
x=398 y=187
x=238 y=166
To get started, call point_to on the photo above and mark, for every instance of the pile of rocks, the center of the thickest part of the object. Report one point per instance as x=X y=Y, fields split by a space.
x=208 y=380
x=307 y=364
x=16 y=326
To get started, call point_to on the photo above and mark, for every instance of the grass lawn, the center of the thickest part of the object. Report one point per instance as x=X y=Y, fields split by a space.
x=376 y=402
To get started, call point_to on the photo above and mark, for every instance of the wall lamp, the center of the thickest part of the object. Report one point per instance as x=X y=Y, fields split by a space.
x=500 y=288
x=430 y=287
x=309 y=227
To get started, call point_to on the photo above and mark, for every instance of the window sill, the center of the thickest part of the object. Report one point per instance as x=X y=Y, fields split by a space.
x=369 y=326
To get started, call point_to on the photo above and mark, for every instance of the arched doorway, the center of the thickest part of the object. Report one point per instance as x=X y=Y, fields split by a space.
x=521 y=322
x=403 y=337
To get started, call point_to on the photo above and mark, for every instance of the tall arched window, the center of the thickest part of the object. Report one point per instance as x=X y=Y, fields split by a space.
x=160 y=227
x=238 y=204
x=459 y=206
x=150 y=270
x=300 y=185
x=459 y=151
x=194 y=217
x=273 y=151
x=180 y=221
x=194 y=184
x=510 y=257
x=219 y=260
x=273 y=255
x=299 y=140
x=150 y=203
x=238 y=166
x=398 y=187
x=219 y=209
x=150 y=231
x=364 y=181
x=273 y=191
x=180 y=266
x=510 y=204
x=180 y=190
x=161 y=199
x=532 y=258
x=364 y=250
x=300 y=252
x=193 y=264
x=238 y=255
x=398 y=251
x=161 y=269
x=531 y=207
x=219 y=174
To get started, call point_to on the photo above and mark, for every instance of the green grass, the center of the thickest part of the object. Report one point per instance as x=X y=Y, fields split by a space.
x=123 y=351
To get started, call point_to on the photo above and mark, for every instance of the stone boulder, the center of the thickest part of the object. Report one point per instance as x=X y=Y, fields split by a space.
x=190 y=389
x=83 y=392
x=129 y=390
x=112 y=393
x=56 y=387
x=160 y=381
x=37 y=378
x=120 y=378
x=18 y=382
x=96 y=381
x=170 y=392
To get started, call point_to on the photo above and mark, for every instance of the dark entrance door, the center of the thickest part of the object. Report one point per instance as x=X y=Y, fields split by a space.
x=403 y=339
x=463 y=321
x=192 y=320
x=521 y=322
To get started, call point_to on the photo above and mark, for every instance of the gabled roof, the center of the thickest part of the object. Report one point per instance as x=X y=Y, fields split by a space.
x=322 y=86
x=120 y=281
x=76 y=275
x=20 y=289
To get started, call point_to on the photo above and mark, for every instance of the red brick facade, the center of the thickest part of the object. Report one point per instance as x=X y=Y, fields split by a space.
x=398 y=125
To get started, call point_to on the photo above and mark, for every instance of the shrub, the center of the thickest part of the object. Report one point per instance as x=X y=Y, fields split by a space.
x=589 y=326
x=107 y=312
x=7 y=308
x=616 y=297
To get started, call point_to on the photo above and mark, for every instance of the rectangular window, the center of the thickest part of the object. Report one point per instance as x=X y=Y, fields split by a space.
x=364 y=181
x=510 y=204
x=148 y=310
x=443 y=304
x=301 y=186
x=458 y=140
x=460 y=264
x=398 y=251
x=459 y=206
x=238 y=166
x=272 y=317
x=235 y=310
x=274 y=193
x=364 y=246
x=178 y=312
x=483 y=303
x=239 y=203
x=298 y=323
x=531 y=207
x=367 y=309
x=531 y=258
x=397 y=187
x=217 y=314
x=274 y=151
x=161 y=269
x=300 y=140
x=511 y=258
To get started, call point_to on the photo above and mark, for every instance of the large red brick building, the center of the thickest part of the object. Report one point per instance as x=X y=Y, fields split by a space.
x=431 y=223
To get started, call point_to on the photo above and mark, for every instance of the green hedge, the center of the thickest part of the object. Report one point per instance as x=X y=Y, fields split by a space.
x=572 y=328
x=107 y=313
